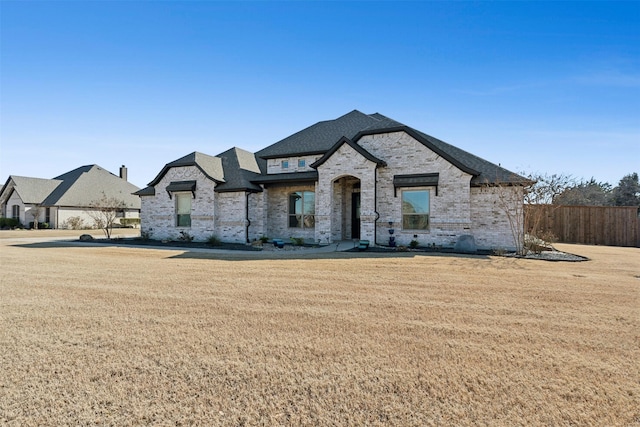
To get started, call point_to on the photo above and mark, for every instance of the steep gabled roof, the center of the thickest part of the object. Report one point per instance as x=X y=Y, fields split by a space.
x=364 y=153
x=320 y=137
x=232 y=170
x=325 y=136
x=483 y=171
x=240 y=168
x=77 y=188
x=86 y=185
x=486 y=172
x=30 y=190
x=210 y=166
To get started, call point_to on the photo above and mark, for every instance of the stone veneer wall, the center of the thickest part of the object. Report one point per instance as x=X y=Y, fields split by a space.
x=158 y=212
x=275 y=165
x=230 y=221
x=257 y=215
x=457 y=210
x=490 y=225
x=277 y=218
x=330 y=198
x=450 y=214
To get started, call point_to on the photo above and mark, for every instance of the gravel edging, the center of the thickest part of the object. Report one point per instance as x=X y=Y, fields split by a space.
x=551 y=256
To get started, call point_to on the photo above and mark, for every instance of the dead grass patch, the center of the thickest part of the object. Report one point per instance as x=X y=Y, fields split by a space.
x=126 y=336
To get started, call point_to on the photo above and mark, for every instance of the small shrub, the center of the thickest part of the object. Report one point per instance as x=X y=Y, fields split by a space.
x=413 y=244
x=9 y=223
x=214 y=240
x=146 y=235
x=299 y=241
x=185 y=237
x=402 y=248
x=264 y=239
x=537 y=245
x=548 y=237
x=74 y=223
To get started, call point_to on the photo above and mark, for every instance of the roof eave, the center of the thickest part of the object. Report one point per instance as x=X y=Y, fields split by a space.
x=411 y=132
x=344 y=140
x=245 y=189
x=297 y=154
x=168 y=166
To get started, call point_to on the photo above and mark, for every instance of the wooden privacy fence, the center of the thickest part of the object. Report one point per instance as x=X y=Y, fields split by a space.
x=591 y=225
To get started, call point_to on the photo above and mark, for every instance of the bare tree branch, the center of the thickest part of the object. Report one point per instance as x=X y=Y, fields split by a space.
x=105 y=211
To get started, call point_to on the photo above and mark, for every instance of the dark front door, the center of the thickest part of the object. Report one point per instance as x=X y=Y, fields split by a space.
x=355 y=215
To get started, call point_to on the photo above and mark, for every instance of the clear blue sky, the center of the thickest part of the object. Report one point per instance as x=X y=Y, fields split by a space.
x=535 y=86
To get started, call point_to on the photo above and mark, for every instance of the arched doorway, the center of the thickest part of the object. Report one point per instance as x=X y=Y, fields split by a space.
x=346 y=208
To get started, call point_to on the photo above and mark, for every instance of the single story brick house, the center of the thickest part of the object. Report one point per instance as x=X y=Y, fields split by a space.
x=355 y=177
x=70 y=195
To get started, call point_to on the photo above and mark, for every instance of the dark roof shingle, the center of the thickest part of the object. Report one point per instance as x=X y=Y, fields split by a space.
x=320 y=137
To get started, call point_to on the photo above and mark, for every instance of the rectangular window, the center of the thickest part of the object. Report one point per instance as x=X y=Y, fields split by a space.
x=183 y=209
x=302 y=209
x=15 y=211
x=415 y=209
x=284 y=164
x=301 y=163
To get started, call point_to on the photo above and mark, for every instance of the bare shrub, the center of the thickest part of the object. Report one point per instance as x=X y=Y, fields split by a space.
x=74 y=223
x=35 y=212
x=536 y=189
x=104 y=212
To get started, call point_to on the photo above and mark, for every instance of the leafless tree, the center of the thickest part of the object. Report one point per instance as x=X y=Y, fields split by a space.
x=514 y=201
x=35 y=212
x=510 y=200
x=104 y=212
x=539 y=199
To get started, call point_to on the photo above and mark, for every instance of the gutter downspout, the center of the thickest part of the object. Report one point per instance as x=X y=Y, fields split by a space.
x=375 y=206
x=248 y=221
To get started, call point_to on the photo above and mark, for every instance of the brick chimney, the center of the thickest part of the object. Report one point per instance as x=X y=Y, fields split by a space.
x=123 y=172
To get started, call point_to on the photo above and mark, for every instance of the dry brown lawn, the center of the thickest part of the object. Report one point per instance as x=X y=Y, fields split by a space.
x=125 y=336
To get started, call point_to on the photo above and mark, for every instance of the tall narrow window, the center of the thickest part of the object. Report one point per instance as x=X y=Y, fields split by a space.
x=415 y=209
x=302 y=209
x=15 y=211
x=183 y=209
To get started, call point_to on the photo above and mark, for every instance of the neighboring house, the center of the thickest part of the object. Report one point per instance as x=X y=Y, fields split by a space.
x=355 y=177
x=69 y=195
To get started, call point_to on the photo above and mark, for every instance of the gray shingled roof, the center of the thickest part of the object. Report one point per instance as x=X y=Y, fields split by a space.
x=209 y=165
x=319 y=138
x=240 y=169
x=232 y=170
x=85 y=185
x=272 y=178
x=487 y=172
x=323 y=137
x=30 y=190
x=77 y=188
